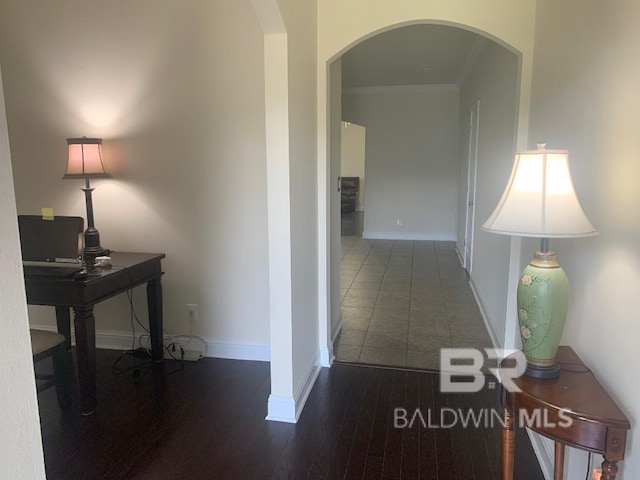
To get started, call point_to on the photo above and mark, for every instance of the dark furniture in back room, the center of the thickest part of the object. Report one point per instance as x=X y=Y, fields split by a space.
x=349 y=189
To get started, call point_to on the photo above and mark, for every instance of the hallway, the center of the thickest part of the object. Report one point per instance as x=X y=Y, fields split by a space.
x=402 y=301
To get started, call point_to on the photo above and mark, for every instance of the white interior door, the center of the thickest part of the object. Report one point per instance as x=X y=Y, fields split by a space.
x=471 y=185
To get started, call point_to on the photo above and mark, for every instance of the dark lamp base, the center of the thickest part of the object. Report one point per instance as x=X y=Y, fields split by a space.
x=92 y=248
x=97 y=252
x=542 y=372
x=89 y=257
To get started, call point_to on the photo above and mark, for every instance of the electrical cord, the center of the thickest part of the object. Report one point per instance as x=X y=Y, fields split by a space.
x=179 y=341
x=176 y=341
x=137 y=367
x=116 y=370
x=130 y=296
x=170 y=348
x=581 y=368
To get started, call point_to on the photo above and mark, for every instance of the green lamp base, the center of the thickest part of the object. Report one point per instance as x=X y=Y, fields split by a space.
x=543 y=298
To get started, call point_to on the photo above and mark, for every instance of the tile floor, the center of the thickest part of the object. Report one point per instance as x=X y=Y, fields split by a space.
x=404 y=300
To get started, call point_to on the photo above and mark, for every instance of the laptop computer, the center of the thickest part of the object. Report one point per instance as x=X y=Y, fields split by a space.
x=51 y=247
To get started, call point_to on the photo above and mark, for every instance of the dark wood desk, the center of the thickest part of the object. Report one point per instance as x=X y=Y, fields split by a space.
x=597 y=424
x=129 y=270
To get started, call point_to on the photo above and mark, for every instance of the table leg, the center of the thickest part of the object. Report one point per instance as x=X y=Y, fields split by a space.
x=154 y=303
x=558 y=463
x=508 y=443
x=609 y=469
x=85 y=324
x=61 y=373
x=63 y=319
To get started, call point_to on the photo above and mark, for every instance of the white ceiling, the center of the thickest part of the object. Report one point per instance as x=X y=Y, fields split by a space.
x=412 y=55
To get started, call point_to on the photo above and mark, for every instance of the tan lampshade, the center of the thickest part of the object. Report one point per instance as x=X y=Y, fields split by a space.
x=85 y=158
x=540 y=200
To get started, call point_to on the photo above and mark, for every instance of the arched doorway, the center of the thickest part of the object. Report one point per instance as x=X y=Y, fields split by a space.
x=404 y=293
x=329 y=103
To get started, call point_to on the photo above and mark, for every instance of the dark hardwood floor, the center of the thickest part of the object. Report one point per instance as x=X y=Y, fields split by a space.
x=205 y=420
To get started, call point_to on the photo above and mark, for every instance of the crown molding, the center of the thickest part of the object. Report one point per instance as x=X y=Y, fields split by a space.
x=400 y=89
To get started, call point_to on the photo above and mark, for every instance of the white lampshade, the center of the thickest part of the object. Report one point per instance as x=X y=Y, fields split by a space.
x=539 y=200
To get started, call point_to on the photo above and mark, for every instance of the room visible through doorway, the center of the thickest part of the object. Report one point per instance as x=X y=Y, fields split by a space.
x=404 y=300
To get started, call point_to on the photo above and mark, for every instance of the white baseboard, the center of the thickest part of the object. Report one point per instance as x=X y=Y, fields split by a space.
x=239 y=351
x=460 y=257
x=108 y=340
x=281 y=409
x=326 y=356
x=111 y=340
x=305 y=386
x=485 y=318
x=326 y=353
x=288 y=409
x=436 y=237
x=543 y=448
x=335 y=329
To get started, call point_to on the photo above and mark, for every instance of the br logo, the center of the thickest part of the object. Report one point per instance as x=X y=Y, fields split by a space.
x=461 y=369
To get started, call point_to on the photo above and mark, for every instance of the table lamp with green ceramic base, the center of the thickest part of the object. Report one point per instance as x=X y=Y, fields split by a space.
x=540 y=201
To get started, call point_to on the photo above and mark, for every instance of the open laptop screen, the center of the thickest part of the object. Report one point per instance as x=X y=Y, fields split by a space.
x=57 y=240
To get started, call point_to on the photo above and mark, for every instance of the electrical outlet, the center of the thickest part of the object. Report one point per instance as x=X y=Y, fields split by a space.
x=399 y=222
x=192 y=312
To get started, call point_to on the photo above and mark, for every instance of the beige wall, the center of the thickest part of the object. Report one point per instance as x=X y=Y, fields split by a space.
x=494 y=83
x=412 y=161
x=585 y=99
x=176 y=90
x=21 y=452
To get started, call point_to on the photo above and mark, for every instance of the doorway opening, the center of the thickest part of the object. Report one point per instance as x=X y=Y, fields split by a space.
x=405 y=289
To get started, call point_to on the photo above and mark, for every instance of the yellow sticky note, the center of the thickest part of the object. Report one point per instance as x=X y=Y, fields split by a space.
x=47 y=213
